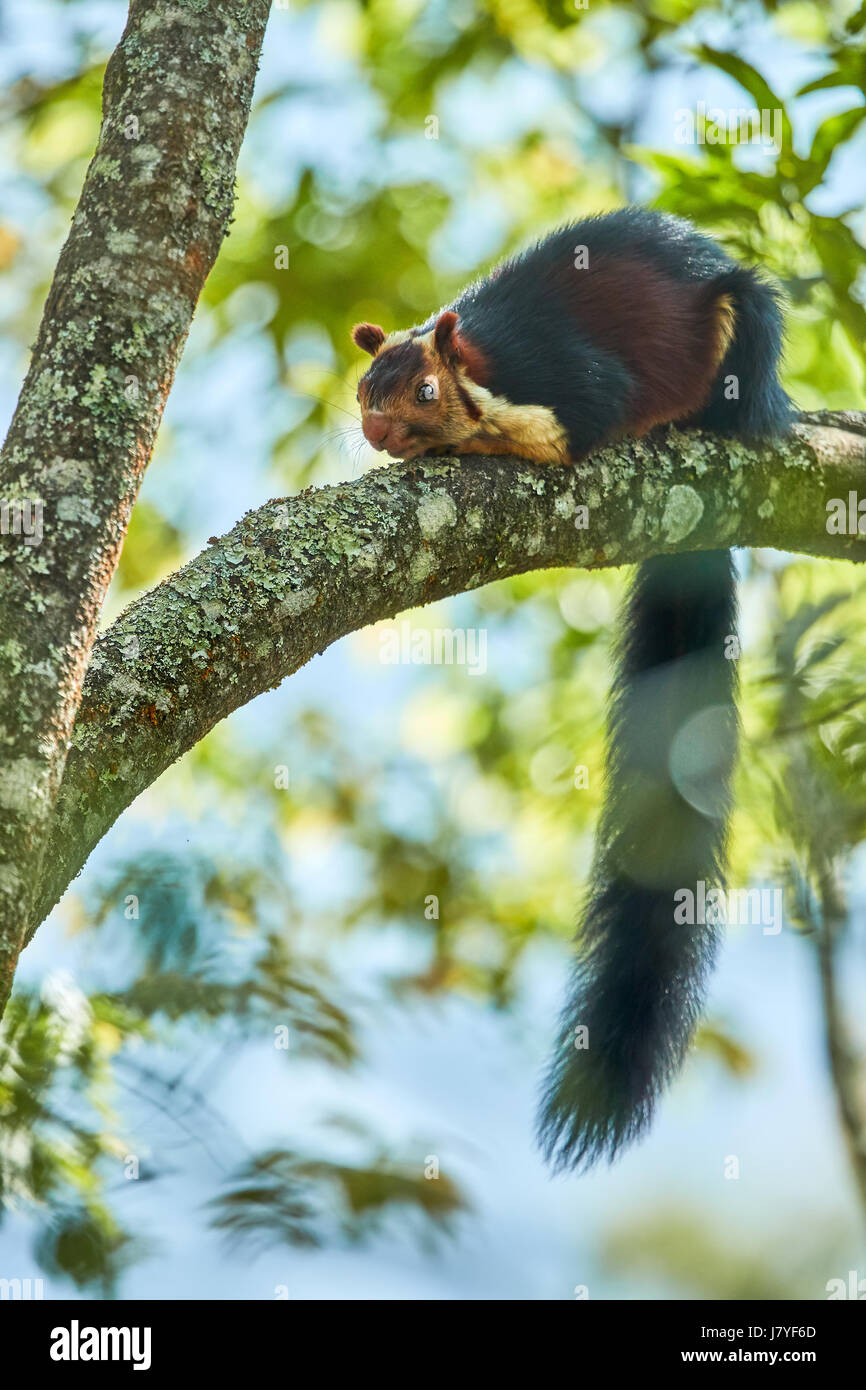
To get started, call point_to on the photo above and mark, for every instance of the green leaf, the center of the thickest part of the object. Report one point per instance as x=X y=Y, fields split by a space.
x=827 y=138
x=751 y=80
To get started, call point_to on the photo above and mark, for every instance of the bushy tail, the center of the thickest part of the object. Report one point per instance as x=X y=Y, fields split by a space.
x=638 y=986
x=637 y=989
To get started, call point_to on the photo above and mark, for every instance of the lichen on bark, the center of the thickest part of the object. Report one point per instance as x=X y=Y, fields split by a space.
x=154 y=209
x=301 y=572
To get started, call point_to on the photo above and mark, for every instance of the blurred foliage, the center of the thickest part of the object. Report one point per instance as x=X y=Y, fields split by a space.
x=59 y=1129
x=424 y=141
x=275 y=1198
x=688 y=1259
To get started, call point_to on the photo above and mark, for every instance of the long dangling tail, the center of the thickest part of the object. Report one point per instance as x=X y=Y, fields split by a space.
x=638 y=985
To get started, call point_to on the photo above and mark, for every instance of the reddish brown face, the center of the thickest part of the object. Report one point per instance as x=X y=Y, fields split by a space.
x=383 y=431
x=401 y=428
x=410 y=397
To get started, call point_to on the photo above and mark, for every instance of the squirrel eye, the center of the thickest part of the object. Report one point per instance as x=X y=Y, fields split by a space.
x=426 y=392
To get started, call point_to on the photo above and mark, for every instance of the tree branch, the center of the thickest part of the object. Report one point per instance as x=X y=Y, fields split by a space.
x=294 y=576
x=847 y=1067
x=155 y=206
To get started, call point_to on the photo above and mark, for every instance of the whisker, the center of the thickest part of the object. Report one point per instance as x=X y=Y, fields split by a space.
x=340 y=436
x=341 y=377
x=320 y=400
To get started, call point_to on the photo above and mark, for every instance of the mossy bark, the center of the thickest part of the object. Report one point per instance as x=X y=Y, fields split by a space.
x=155 y=206
x=301 y=572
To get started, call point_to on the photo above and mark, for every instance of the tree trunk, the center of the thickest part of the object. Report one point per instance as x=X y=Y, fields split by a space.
x=156 y=204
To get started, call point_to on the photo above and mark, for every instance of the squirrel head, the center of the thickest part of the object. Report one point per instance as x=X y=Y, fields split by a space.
x=418 y=395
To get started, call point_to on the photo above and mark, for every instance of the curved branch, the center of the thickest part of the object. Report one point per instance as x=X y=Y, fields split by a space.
x=294 y=576
x=155 y=206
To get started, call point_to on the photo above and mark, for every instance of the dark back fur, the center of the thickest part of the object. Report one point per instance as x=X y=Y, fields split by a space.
x=613 y=348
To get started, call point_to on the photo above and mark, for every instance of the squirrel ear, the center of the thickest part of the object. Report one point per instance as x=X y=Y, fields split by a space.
x=369 y=337
x=445 y=335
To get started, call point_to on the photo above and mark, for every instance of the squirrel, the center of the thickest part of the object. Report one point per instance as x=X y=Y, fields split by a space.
x=606 y=328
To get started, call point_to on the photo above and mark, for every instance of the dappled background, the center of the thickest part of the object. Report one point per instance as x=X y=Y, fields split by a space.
x=282 y=1037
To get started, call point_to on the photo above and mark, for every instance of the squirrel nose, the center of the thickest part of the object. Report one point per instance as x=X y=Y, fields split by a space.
x=375 y=426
